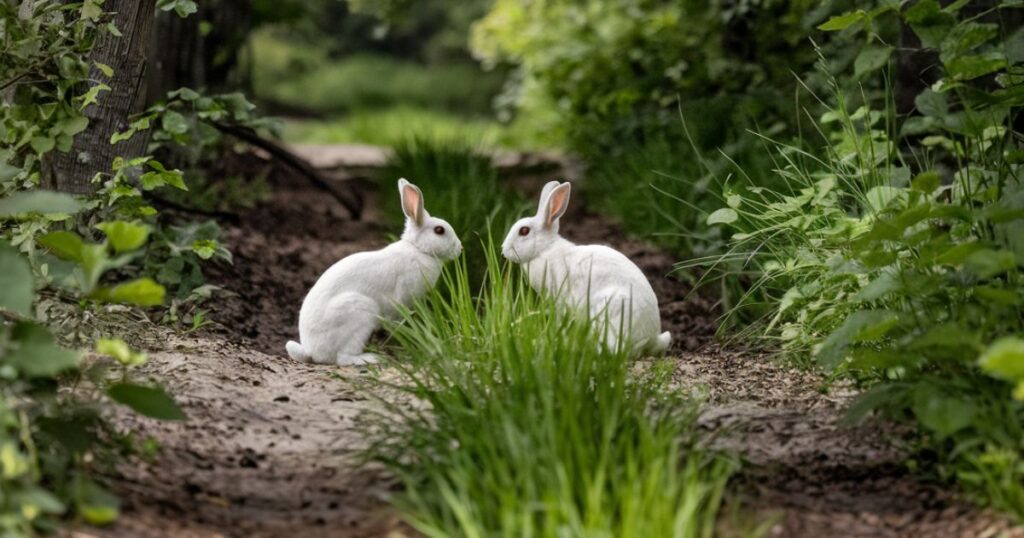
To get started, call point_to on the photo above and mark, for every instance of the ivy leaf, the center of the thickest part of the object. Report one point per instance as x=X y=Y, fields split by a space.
x=125 y=236
x=16 y=286
x=92 y=96
x=205 y=248
x=148 y=401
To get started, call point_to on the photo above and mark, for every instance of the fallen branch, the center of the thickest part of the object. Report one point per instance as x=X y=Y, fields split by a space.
x=352 y=203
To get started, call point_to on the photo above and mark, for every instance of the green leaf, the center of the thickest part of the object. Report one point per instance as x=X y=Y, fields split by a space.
x=1004 y=359
x=38 y=201
x=724 y=215
x=120 y=351
x=95 y=504
x=65 y=245
x=842 y=22
x=987 y=263
x=92 y=96
x=42 y=144
x=35 y=500
x=37 y=354
x=942 y=413
x=972 y=67
x=175 y=123
x=75 y=125
x=879 y=198
x=105 y=69
x=148 y=401
x=16 y=286
x=871 y=59
x=205 y=248
x=862 y=326
x=125 y=236
x=141 y=292
x=926 y=182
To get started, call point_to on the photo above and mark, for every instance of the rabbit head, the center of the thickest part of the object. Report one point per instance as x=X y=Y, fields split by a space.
x=430 y=235
x=531 y=236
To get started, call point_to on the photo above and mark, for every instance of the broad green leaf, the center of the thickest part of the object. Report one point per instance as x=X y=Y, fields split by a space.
x=65 y=245
x=125 y=236
x=37 y=354
x=42 y=144
x=141 y=292
x=38 y=201
x=942 y=413
x=871 y=59
x=148 y=401
x=987 y=263
x=842 y=22
x=957 y=254
x=174 y=123
x=926 y=182
x=885 y=284
x=879 y=198
x=862 y=326
x=724 y=215
x=95 y=504
x=16 y=286
x=92 y=96
x=75 y=125
x=972 y=67
x=1004 y=359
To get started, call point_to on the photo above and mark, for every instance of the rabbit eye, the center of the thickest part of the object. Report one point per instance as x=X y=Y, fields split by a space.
x=524 y=231
x=439 y=230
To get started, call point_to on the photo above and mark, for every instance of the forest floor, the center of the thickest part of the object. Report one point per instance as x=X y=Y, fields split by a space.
x=270 y=448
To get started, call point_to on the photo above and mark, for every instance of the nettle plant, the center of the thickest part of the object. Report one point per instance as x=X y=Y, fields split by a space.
x=897 y=258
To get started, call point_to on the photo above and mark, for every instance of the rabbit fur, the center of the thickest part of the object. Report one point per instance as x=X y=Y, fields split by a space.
x=594 y=279
x=343 y=308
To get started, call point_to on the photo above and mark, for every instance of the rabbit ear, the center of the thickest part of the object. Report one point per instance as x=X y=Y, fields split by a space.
x=545 y=193
x=556 y=203
x=412 y=201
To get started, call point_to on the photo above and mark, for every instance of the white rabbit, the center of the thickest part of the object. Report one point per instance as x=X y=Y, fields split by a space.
x=592 y=278
x=342 y=309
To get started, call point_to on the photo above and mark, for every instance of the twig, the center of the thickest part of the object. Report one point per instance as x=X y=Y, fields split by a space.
x=352 y=203
x=214 y=213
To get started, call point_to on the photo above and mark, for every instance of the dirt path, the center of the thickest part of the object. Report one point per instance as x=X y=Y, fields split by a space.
x=269 y=449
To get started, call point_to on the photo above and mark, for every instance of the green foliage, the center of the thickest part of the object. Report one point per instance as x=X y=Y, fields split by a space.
x=898 y=259
x=534 y=431
x=620 y=71
x=399 y=125
x=302 y=78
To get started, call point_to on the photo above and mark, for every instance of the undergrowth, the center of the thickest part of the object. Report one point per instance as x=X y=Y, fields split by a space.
x=522 y=427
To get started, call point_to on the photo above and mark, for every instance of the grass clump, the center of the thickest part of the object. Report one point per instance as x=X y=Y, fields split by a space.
x=532 y=431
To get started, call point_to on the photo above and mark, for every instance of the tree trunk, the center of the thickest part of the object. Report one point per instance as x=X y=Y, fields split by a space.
x=91 y=151
x=199 y=52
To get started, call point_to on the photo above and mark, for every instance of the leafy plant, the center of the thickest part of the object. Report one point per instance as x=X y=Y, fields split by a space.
x=897 y=259
x=530 y=430
x=49 y=441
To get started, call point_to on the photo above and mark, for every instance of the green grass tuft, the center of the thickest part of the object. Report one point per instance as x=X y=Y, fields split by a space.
x=532 y=431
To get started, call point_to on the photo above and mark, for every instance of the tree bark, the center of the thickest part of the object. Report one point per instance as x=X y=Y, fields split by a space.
x=201 y=51
x=91 y=152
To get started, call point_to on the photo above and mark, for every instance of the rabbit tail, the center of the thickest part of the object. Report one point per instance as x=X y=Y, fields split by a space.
x=297 y=352
x=662 y=342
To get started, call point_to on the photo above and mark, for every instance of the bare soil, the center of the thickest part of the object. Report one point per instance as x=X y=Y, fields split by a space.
x=270 y=448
